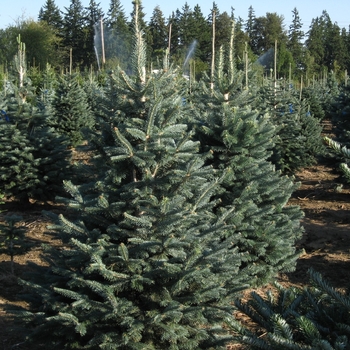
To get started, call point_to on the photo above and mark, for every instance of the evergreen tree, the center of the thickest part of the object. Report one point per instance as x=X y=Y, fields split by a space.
x=213 y=16
x=159 y=34
x=51 y=14
x=184 y=18
x=19 y=168
x=240 y=42
x=94 y=93
x=346 y=39
x=331 y=91
x=285 y=61
x=295 y=40
x=118 y=41
x=314 y=95
x=74 y=38
x=312 y=318
x=94 y=16
x=342 y=62
x=12 y=237
x=314 y=42
x=333 y=44
x=242 y=142
x=222 y=30
x=325 y=43
x=70 y=109
x=140 y=21
x=343 y=153
x=299 y=140
x=193 y=38
x=38 y=158
x=201 y=33
x=250 y=22
x=340 y=113
x=51 y=148
x=267 y=30
x=175 y=46
x=53 y=152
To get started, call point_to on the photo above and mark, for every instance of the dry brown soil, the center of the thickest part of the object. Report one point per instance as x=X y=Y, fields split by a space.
x=326 y=241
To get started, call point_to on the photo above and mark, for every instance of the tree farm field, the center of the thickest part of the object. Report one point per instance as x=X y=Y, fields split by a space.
x=325 y=243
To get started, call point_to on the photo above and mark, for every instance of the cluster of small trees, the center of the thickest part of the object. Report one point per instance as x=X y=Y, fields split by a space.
x=182 y=205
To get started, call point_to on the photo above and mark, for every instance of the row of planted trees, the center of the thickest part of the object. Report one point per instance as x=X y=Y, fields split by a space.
x=182 y=205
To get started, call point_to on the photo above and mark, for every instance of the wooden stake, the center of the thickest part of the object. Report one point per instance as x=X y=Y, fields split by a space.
x=275 y=63
x=346 y=77
x=70 y=61
x=246 y=65
x=102 y=43
x=290 y=74
x=213 y=51
x=169 y=39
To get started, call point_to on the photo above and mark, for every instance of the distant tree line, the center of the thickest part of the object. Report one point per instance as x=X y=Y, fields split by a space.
x=85 y=38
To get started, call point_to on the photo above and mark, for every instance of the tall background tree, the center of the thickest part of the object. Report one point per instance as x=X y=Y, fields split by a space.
x=326 y=45
x=51 y=14
x=93 y=27
x=266 y=30
x=118 y=35
x=249 y=27
x=74 y=34
x=295 y=44
x=158 y=31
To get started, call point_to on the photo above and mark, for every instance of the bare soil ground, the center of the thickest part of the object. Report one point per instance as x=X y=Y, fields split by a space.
x=326 y=241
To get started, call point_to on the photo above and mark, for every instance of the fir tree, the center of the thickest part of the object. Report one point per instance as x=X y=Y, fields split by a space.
x=74 y=26
x=296 y=37
x=35 y=159
x=70 y=109
x=94 y=93
x=159 y=34
x=340 y=112
x=222 y=30
x=202 y=34
x=94 y=17
x=50 y=148
x=298 y=140
x=250 y=23
x=241 y=143
x=51 y=14
x=314 y=96
x=343 y=153
x=312 y=318
x=12 y=237
x=118 y=36
x=54 y=155
x=19 y=168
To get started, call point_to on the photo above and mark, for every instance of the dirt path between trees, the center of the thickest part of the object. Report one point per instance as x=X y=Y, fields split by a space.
x=326 y=240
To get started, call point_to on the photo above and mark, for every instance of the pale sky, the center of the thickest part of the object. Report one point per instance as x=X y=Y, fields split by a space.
x=12 y=11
